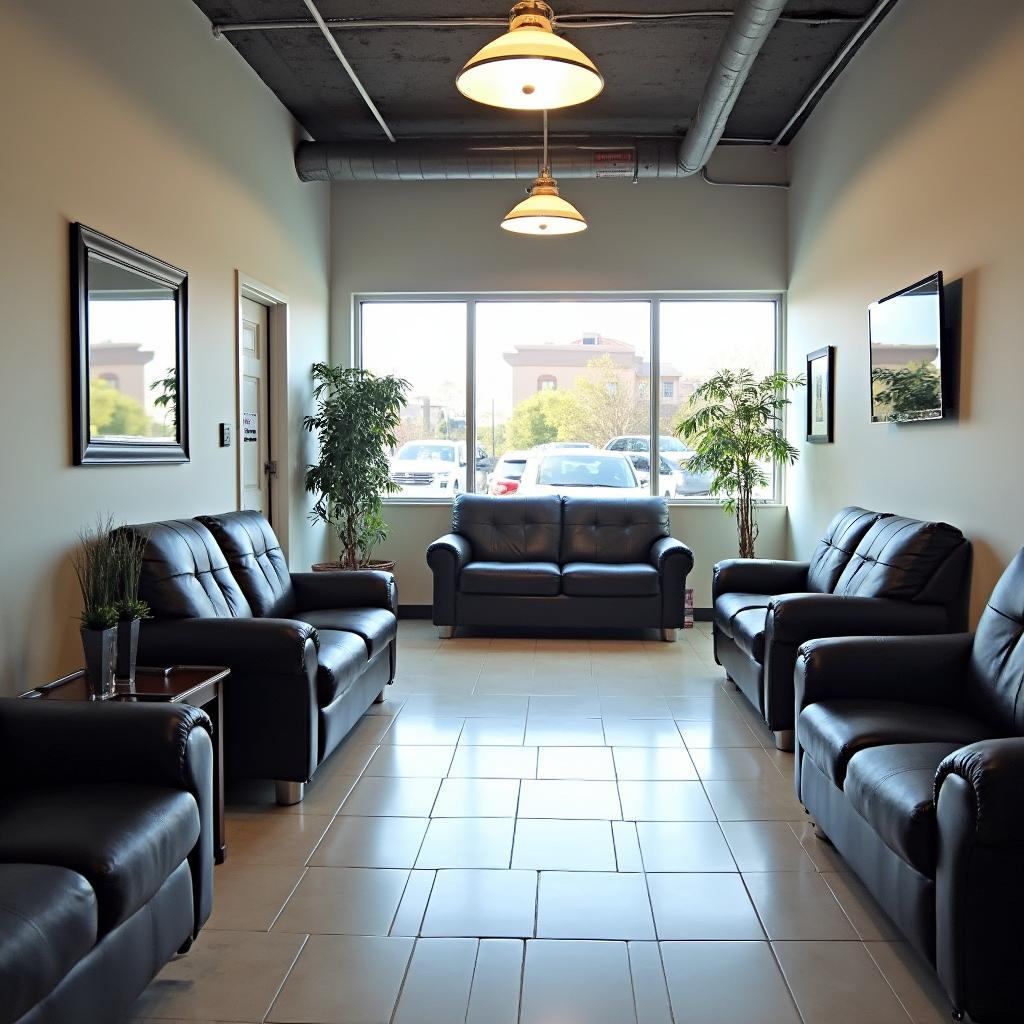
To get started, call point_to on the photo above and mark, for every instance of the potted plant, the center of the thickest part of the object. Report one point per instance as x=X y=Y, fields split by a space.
x=129 y=547
x=357 y=416
x=735 y=425
x=96 y=569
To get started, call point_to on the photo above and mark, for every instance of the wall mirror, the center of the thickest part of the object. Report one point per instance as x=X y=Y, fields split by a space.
x=129 y=353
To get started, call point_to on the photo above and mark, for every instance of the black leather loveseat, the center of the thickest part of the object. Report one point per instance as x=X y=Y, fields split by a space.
x=106 y=853
x=308 y=652
x=872 y=573
x=910 y=758
x=552 y=561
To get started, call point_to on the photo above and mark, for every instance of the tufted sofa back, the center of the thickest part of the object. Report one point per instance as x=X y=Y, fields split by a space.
x=613 y=530
x=509 y=529
x=909 y=560
x=257 y=562
x=185 y=574
x=835 y=549
x=995 y=687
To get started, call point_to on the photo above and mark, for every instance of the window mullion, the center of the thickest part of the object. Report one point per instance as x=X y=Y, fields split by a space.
x=471 y=396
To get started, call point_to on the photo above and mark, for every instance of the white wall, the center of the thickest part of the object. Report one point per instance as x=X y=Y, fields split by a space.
x=911 y=164
x=654 y=236
x=129 y=116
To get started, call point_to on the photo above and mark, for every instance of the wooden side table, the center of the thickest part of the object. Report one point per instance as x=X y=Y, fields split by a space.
x=199 y=685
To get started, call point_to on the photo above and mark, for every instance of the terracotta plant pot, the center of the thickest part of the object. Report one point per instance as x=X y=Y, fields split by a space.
x=100 y=649
x=338 y=567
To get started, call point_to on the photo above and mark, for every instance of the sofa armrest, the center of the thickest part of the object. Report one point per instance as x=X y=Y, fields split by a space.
x=795 y=618
x=915 y=669
x=363 y=588
x=673 y=560
x=668 y=550
x=284 y=646
x=451 y=549
x=758 y=576
x=994 y=773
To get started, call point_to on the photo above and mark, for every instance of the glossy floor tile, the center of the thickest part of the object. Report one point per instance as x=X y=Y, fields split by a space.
x=531 y=831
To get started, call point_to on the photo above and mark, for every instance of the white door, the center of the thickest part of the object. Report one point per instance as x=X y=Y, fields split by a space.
x=254 y=440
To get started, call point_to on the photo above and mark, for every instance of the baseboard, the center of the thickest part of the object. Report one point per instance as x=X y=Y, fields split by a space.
x=424 y=611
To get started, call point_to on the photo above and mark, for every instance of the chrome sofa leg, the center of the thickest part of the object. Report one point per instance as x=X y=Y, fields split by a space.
x=670 y=636
x=446 y=632
x=379 y=699
x=784 y=739
x=819 y=833
x=289 y=793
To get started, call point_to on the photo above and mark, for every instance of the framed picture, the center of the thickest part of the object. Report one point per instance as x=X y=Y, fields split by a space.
x=129 y=354
x=820 y=395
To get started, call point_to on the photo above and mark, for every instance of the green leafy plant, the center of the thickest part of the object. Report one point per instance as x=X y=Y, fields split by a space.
x=129 y=547
x=97 y=571
x=356 y=421
x=734 y=423
x=166 y=398
x=911 y=392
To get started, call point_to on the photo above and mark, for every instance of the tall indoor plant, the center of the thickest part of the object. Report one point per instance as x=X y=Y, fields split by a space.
x=735 y=424
x=356 y=421
x=96 y=568
x=129 y=547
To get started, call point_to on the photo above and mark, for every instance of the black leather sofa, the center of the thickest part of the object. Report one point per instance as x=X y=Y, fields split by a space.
x=872 y=573
x=910 y=758
x=106 y=853
x=552 y=561
x=308 y=652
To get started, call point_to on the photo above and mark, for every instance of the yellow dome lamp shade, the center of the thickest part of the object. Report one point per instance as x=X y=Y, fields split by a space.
x=529 y=67
x=544 y=212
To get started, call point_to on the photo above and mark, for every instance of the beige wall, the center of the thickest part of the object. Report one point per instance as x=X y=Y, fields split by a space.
x=129 y=116
x=912 y=164
x=656 y=235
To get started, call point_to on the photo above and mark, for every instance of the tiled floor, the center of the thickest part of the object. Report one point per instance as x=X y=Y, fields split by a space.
x=538 y=831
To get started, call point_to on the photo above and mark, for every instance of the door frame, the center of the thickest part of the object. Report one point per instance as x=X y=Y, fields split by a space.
x=279 y=449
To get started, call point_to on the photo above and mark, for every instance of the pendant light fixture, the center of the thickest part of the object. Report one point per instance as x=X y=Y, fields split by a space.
x=544 y=211
x=529 y=67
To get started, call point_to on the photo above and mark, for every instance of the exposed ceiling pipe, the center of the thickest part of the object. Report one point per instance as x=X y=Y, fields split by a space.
x=333 y=43
x=487 y=159
x=749 y=29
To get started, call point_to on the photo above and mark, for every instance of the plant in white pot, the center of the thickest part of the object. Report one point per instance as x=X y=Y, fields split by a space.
x=735 y=424
x=95 y=565
x=356 y=421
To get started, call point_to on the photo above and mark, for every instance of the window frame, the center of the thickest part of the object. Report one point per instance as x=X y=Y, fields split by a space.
x=654 y=300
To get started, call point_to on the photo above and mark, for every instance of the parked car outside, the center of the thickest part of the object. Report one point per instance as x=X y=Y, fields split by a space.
x=670 y=477
x=507 y=473
x=670 y=447
x=563 y=444
x=579 y=472
x=429 y=469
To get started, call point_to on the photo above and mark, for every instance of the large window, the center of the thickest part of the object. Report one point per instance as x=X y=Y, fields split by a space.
x=523 y=395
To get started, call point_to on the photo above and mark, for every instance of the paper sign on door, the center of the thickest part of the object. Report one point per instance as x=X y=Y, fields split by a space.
x=249 y=426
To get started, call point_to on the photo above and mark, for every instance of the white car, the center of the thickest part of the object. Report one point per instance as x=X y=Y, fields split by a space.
x=579 y=472
x=429 y=469
x=670 y=447
x=507 y=473
x=671 y=479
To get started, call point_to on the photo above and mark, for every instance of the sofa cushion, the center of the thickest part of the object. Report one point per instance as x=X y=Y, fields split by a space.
x=612 y=530
x=185 y=574
x=257 y=562
x=377 y=626
x=748 y=632
x=47 y=924
x=535 y=579
x=897 y=558
x=595 y=579
x=124 y=839
x=340 y=661
x=509 y=529
x=728 y=606
x=832 y=731
x=892 y=788
x=836 y=547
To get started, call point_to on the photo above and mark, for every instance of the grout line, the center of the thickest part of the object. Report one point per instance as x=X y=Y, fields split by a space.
x=284 y=980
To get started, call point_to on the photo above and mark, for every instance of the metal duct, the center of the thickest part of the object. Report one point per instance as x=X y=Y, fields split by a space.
x=748 y=30
x=486 y=160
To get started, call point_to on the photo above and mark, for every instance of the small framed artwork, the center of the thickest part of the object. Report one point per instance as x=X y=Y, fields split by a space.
x=820 y=395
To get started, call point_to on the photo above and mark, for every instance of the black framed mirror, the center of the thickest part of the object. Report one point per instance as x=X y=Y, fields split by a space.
x=129 y=355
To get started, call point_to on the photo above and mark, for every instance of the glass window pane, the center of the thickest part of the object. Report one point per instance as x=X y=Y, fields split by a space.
x=697 y=339
x=554 y=375
x=424 y=342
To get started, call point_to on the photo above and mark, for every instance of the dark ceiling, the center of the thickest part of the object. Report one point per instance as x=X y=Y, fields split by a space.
x=654 y=72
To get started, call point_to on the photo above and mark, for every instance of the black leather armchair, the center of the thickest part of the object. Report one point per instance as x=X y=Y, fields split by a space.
x=308 y=652
x=872 y=573
x=551 y=561
x=106 y=852
x=910 y=757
